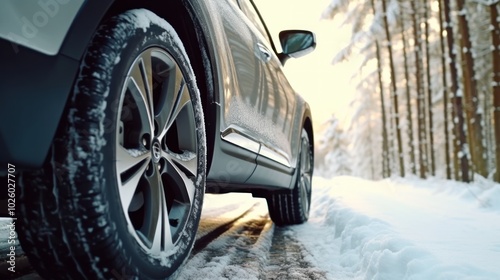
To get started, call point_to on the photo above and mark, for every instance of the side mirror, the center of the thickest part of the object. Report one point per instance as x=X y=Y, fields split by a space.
x=296 y=43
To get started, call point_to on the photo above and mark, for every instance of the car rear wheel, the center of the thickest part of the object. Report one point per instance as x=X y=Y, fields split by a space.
x=121 y=195
x=293 y=207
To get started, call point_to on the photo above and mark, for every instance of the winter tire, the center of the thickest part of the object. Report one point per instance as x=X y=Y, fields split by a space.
x=120 y=196
x=293 y=207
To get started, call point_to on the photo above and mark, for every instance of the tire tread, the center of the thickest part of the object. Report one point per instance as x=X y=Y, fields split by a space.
x=287 y=208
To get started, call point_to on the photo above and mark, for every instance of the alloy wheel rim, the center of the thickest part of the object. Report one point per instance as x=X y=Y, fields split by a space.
x=156 y=151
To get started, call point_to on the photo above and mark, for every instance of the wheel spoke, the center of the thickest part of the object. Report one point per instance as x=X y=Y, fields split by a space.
x=183 y=100
x=147 y=73
x=186 y=129
x=141 y=84
x=161 y=233
x=179 y=98
x=126 y=159
x=126 y=162
x=307 y=181
x=184 y=183
x=171 y=87
x=304 y=192
x=154 y=212
x=188 y=161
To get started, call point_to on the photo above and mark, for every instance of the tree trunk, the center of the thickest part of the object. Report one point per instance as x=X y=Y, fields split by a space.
x=386 y=169
x=495 y=34
x=445 y=93
x=460 y=138
x=409 y=114
x=429 y=90
x=473 y=116
x=386 y=163
x=421 y=124
x=394 y=92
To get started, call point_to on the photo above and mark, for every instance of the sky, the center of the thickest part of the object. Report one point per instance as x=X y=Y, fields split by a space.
x=328 y=88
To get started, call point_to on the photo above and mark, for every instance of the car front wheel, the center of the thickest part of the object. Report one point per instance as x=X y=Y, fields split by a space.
x=121 y=193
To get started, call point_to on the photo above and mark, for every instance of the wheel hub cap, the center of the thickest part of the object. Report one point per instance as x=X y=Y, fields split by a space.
x=156 y=151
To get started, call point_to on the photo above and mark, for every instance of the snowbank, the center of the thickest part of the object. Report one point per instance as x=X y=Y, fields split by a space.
x=404 y=229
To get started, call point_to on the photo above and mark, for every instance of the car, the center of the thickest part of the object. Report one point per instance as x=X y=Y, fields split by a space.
x=118 y=116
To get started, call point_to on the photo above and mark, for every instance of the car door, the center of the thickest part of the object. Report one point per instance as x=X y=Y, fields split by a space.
x=275 y=96
x=254 y=107
x=244 y=85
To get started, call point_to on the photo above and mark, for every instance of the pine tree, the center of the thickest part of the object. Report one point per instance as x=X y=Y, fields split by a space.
x=386 y=170
x=333 y=150
x=394 y=92
x=431 y=154
x=421 y=123
x=472 y=112
x=495 y=37
x=445 y=91
x=459 y=123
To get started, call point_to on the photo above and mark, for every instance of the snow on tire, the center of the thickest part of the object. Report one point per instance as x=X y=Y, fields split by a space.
x=293 y=207
x=121 y=193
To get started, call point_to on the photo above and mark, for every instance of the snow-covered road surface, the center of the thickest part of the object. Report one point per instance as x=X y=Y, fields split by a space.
x=358 y=229
x=236 y=240
x=253 y=248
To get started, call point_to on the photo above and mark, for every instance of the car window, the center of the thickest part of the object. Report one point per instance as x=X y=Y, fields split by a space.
x=253 y=15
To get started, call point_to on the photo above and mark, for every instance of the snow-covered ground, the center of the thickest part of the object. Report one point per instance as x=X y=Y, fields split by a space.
x=404 y=229
x=390 y=229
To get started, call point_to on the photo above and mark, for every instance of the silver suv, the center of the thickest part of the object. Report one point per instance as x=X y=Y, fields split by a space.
x=120 y=115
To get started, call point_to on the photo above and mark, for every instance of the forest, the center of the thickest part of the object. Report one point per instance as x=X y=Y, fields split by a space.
x=427 y=91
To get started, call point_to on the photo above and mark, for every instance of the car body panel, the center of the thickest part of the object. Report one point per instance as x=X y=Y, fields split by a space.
x=257 y=113
x=260 y=103
x=34 y=88
x=32 y=99
x=41 y=27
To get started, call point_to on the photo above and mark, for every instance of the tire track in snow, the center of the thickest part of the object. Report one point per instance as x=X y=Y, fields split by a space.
x=248 y=246
x=238 y=253
x=204 y=240
x=253 y=248
x=287 y=259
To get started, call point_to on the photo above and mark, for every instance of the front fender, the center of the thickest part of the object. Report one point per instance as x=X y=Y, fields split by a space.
x=34 y=87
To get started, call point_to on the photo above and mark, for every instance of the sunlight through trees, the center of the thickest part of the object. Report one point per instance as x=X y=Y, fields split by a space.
x=431 y=76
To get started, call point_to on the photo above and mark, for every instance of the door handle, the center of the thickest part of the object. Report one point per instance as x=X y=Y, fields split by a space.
x=264 y=53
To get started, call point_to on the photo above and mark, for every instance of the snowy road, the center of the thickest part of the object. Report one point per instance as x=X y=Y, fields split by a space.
x=251 y=247
x=391 y=229
x=236 y=240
